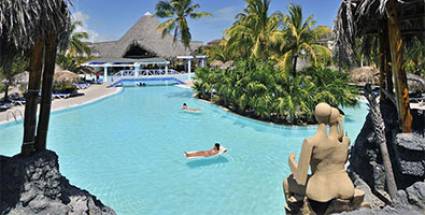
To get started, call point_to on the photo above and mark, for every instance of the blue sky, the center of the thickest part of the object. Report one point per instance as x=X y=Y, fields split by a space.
x=110 y=19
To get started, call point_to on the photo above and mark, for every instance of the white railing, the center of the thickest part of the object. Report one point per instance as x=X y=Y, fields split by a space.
x=148 y=73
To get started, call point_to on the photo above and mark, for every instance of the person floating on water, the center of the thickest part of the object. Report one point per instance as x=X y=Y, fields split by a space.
x=186 y=108
x=216 y=150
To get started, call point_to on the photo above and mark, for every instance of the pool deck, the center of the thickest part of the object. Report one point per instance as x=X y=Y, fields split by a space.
x=91 y=94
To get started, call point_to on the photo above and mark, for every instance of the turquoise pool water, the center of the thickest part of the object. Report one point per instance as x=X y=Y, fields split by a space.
x=128 y=151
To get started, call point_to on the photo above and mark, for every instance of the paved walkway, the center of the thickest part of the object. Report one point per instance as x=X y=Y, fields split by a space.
x=91 y=94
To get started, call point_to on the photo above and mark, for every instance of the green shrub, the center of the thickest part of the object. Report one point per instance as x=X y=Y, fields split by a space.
x=64 y=87
x=258 y=89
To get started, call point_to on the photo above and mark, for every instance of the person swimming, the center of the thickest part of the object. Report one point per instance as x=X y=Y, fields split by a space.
x=186 y=108
x=217 y=149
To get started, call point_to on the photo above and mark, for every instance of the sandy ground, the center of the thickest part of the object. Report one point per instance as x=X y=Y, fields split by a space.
x=91 y=94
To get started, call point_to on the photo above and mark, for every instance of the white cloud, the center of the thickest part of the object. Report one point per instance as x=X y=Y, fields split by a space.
x=83 y=18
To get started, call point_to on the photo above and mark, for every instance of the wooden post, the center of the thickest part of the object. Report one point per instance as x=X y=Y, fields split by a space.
x=30 y=123
x=400 y=78
x=386 y=78
x=46 y=93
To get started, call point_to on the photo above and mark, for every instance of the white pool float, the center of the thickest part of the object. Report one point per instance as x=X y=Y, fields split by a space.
x=220 y=152
x=192 y=110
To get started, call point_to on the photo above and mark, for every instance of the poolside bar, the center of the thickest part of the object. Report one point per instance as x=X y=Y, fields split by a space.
x=136 y=64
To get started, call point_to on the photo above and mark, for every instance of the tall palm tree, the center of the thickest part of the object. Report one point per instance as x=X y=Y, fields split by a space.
x=34 y=28
x=251 y=32
x=299 y=38
x=177 y=12
x=77 y=45
x=77 y=50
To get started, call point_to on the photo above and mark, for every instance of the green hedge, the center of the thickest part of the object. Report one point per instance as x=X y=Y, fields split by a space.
x=259 y=90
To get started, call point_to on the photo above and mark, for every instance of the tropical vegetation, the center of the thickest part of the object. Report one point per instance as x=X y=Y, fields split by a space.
x=269 y=83
x=177 y=12
x=77 y=50
x=258 y=89
x=8 y=75
x=415 y=57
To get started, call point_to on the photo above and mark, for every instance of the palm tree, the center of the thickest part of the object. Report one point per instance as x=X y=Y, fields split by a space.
x=77 y=51
x=219 y=51
x=34 y=28
x=251 y=32
x=299 y=39
x=77 y=45
x=18 y=66
x=177 y=12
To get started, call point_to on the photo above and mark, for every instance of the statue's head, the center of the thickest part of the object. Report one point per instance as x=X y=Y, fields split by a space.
x=322 y=112
x=337 y=119
x=335 y=116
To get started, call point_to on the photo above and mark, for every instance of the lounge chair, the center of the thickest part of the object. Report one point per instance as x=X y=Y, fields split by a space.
x=5 y=106
x=18 y=102
x=82 y=86
x=61 y=95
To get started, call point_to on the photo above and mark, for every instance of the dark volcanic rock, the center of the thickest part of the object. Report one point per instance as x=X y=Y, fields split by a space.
x=407 y=152
x=414 y=142
x=408 y=202
x=34 y=185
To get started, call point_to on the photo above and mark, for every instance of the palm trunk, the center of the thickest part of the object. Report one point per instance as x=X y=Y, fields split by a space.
x=6 y=92
x=46 y=93
x=400 y=78
x=294 y=65
x=36 y=64
x=379 y=128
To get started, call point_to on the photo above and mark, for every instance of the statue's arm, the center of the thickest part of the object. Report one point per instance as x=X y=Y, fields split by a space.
x=301 y=170
x=292 y=163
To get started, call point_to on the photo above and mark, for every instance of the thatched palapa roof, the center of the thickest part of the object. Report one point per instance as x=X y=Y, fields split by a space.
x=358 y=18
x=22 y=22
x=369 y=74
x=146 y=35
x=364 y=75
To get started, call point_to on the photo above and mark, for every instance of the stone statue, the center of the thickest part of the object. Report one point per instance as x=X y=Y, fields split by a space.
x=325 y=154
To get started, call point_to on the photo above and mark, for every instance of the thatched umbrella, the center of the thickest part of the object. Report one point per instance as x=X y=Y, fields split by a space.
x=221 y=65
x=22 y=78
x=216 y=63
x=393 y=22
x=34 y=28
x=368 y=74
x=66 y=76
x=227 y=65
x=364 y=75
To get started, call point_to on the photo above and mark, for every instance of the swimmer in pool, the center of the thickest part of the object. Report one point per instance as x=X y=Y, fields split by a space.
x=208 y=153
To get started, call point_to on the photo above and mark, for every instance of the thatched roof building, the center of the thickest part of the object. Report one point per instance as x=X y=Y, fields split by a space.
x=143 y=40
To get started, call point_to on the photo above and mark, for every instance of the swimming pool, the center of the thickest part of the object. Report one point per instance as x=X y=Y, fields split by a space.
x=128 y=151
